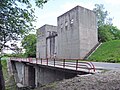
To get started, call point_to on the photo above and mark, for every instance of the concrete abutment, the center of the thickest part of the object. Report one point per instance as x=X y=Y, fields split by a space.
x=34 y=75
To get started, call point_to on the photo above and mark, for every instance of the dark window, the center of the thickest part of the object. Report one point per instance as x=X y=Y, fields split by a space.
x=71 y=23
x=61 y=27
x=66 y=25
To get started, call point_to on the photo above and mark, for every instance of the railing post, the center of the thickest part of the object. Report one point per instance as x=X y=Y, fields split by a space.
x=76 y=64
x=93 y=66
x=47 y=61
x=63 y=63
x=54 y=62
x=36 y=60
x=41 y=60
x=29 y=60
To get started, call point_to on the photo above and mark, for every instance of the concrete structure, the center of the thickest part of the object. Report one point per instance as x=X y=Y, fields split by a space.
x=73 y=38
x=46 y=41
x=36 y=75
x=76 y=35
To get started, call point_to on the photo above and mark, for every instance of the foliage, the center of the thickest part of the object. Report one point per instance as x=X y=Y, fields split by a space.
x=19 y=55
x=102 y=15
x=5 y=73
x=107 y=52
x=16 y=17
x=106 y=31
x=29 y=44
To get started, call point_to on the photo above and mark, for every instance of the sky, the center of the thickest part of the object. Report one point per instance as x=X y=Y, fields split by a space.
x=54 y=8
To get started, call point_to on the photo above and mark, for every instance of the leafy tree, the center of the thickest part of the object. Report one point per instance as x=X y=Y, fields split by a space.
x=105 y=34
x=108 y=32
x=104 y=22
x=102 y=15
x=115 y=31
x=29 y=44
x=15 y=21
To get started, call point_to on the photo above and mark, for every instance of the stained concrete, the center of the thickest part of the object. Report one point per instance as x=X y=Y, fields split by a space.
x=43 y=42
x=33 y=75
x=77 y=33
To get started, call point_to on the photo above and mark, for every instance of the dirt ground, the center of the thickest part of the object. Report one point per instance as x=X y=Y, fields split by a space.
x=109 y=80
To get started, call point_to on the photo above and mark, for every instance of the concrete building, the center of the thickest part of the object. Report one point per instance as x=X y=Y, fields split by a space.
x=46 y=41
x=76 y=35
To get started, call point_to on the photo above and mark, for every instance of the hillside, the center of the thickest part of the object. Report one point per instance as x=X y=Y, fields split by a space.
x=107 y=52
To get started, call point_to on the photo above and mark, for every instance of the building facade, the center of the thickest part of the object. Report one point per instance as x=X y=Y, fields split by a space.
x=76 y=35
x=46 y=41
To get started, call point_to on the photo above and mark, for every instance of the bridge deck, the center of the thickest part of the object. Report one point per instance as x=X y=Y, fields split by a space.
x=76 y=64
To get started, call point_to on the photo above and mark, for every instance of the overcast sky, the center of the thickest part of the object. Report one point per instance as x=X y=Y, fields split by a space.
x=54 y=8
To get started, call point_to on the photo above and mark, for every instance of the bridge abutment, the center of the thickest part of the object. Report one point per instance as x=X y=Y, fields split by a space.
x=33 y=75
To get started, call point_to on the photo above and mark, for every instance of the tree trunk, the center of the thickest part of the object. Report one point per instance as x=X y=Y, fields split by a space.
x=2 y=82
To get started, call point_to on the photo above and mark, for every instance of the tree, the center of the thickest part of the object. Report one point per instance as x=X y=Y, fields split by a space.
x=29 y=44
x=104 y=23
x=108 y=33
x=102 y=15
x=104 y=33
x=15 y=21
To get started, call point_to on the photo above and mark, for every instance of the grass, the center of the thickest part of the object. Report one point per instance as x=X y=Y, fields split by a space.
x=4 y=69
x=107 y=52
x=9 y=80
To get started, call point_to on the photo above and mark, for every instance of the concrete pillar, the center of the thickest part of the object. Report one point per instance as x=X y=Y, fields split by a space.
x=31 y=76
x=9 y=66
x=15 y=73
x=26 y=75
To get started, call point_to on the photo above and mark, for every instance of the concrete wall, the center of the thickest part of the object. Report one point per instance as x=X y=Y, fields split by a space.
x=31 y=75
x=23 y=74
x=42 y=34
x=20 y=71
x=41 y=43
x=46 y=75
x=88 y=35
x=68 y=35
x=77 y=33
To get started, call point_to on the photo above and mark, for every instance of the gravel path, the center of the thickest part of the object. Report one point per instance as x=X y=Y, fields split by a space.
x=109 y=80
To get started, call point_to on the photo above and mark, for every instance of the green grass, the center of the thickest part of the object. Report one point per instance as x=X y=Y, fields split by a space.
x=4 y=69
x=107 y=52
x=9 y=80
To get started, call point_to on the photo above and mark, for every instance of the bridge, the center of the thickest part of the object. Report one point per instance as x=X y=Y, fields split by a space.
x=36 y=72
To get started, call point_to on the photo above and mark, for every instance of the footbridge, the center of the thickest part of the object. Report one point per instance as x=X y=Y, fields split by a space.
x=36 y=72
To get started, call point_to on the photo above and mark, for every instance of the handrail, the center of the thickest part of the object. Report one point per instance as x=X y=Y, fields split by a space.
x=79 y=64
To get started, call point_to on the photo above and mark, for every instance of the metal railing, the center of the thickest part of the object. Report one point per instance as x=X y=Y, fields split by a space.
x=76 y=64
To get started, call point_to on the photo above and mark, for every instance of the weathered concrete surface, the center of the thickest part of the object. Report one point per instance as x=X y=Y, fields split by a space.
x=23 y=74
x=48 y=75
x=43 y=45
x=20 y=71
x=77 y=33
x=34 y=75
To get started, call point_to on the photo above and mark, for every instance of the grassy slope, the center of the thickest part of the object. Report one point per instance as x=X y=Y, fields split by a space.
x=107 y=52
